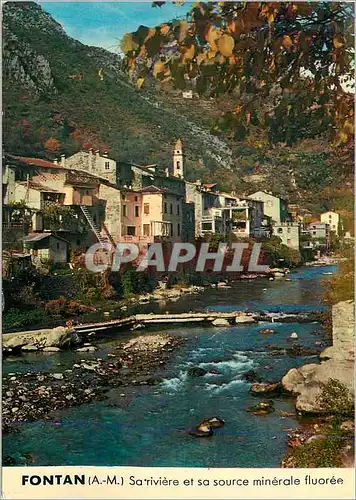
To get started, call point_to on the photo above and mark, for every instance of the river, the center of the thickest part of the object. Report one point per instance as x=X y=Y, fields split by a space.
x=146 y=426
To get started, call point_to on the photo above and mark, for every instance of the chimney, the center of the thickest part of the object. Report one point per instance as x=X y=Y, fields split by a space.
x=105 y=154
x=166 y=172
x=97 y=153
x=63 y=160
x=55 y=161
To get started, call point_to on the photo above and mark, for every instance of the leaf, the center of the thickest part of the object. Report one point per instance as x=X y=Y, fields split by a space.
x=127 y=44
x=183 y=30
x=226 y=45
x=201 y=57
x=287 y=42
x=150 y=34
x=348 y=127
x=139 y=82
x=341 y=138
x=272 y=66
x=235 y=27
x=158 y=67
x=165 y=29
x=338 y=41
x=189 y=53
x=211 y=54
x=211 y=35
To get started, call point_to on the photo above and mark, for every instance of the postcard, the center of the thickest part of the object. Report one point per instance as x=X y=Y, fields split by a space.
x=178 y=250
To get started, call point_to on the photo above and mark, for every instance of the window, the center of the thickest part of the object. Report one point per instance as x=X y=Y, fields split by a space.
x=123 y=197
x=207 y=226
x=178 y=229
x=136 y=211
x=131 y=230
x=178 y=209
x=107 y=165
x=165 y=207
x=171 y=208
x=279 y=230
x=314 y=233
x=178 y=165
x=288 y=230
x=146 y=208
x=171 y=229
x=146 y=229
x=94 y=219
x=124 y=210
x=57 y=246
x=135 y=198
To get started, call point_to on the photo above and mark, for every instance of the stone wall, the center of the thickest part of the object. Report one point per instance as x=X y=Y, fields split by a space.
x=337 y=362
x=113 y=219
x=93 y=163
x=343 y=330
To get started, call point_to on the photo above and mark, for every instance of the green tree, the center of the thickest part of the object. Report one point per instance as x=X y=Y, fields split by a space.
x=294 y=55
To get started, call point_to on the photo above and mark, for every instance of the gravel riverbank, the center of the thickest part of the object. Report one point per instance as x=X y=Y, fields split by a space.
x=32 y=396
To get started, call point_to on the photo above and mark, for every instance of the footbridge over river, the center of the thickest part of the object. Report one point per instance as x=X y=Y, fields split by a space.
x=138 y=320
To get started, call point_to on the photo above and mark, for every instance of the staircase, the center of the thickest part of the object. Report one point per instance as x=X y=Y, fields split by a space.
x=103 y=239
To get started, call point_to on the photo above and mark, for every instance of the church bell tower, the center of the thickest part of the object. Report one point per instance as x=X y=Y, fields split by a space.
x=178 y=160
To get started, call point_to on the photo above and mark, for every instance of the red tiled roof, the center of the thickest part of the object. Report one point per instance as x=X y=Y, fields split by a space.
x=212 y=184
x=38 y=162
x=38 y=187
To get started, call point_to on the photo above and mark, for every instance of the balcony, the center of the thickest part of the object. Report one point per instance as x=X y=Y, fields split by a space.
x=80 y=179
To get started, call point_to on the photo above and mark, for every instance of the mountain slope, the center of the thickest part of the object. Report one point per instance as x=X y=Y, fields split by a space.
x=56 y=87
x=60 y=95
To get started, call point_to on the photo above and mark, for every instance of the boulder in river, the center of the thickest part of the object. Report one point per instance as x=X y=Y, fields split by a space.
x=50 y=337
x=220 y=322
x=214 y=422
x=196 y=371
x=308 y=381
x=245 y=318
x=202 y=430
x=29 y=348
x=262 y=408
x=268 y=389
x=88 y=348
x=251 y=376
x=268 y=331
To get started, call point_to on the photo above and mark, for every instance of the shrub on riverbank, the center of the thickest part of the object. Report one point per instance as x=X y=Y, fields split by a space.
x=16 y=319
x=336 y=399
x=276 y=254
x=320 y=452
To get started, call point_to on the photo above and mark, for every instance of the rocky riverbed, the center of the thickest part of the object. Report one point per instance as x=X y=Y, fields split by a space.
x=32 y=396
